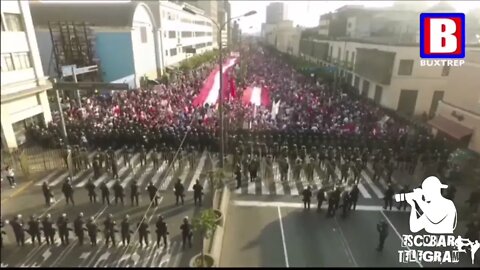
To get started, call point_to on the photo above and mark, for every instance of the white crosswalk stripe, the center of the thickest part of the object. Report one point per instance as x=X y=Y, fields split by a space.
x=145 y=174
x=185 y=171
x=198 y=170
x=160 y=171
x=168 y=179
x=47 y=178
x=372 y=185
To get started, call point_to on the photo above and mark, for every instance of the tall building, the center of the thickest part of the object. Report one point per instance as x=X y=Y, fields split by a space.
x=276 y=12
x=211 y=10
x=24 y=85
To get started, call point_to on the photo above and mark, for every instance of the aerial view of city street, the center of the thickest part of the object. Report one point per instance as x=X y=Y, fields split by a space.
x=234 y=133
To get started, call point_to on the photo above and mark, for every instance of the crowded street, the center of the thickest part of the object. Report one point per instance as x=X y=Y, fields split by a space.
x=263 y=152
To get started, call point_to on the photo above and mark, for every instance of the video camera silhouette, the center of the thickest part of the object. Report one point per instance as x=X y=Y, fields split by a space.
x=401 y=197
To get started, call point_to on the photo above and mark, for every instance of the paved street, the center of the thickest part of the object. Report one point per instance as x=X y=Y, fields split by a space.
x=280 y=234
x=31 y=201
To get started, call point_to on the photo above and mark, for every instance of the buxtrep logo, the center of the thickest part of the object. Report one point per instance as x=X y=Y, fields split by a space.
x=442 y=37
x=431 y=212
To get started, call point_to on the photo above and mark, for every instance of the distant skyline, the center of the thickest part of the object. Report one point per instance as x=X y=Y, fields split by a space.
x=307 y=13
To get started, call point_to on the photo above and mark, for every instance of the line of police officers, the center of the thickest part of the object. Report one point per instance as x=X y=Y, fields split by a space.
x=35 y=226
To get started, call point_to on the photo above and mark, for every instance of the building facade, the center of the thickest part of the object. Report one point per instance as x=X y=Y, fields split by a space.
x=149 y=36
x=458 y=113
x=276 y=12
x=23 y=85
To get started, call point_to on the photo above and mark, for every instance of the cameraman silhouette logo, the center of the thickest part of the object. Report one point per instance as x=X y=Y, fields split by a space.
x=439 y=215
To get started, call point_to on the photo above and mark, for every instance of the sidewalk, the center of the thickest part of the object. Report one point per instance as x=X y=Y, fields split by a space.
x=22 y=184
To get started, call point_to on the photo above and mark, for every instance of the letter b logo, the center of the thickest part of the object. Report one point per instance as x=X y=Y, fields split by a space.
x=442 y=35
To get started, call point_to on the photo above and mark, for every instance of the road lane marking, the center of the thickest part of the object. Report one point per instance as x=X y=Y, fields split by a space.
x=363 y=191
x=348 y=250
x=283 y=236
x=374 y=187
x=198 y=170
x=47 y=178
x=398 y=234
x=159 y=172
x=186 y=170
x=300 y=205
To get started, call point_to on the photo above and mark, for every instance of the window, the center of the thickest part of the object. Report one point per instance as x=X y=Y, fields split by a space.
x=209 y=44
x=172 y=34
x=346 y=56
x=349 y=25
x=173 y=52
x=13 y=22
x=186 y=34
x=445 y=71
x=143 y=34
x=353 y=57
x=166 y=52
x=21 y=60
x=7 y=62
x=406 y=67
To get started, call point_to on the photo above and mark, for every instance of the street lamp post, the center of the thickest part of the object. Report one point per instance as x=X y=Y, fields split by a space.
x=220 y=65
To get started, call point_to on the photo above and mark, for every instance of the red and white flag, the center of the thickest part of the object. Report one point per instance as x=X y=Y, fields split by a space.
x=258 y=96
x=211 y=87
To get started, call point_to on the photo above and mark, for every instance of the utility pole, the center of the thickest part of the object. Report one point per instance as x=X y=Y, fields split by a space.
x=74 y=75
x=220 y=107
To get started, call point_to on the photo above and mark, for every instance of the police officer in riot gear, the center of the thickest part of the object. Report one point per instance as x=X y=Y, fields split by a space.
x=63 y=230
x=143 y=233
x=48 y=229
x=109 y=229
x=118 y=192
x=125 y=230
x=134 y=192
x=162 y=232
x=92 y=230
x=90 y=186
x=179 y=192
x=34 y=229
x=382 y=228
x=105 y=193
x=152 y=193
x=197 y=193
x=78 y=228
x=67 y=190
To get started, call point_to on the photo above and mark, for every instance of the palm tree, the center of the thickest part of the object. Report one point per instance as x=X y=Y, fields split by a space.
x=205 y=225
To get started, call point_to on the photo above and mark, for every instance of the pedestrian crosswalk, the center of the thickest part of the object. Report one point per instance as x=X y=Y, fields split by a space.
x=164 y=177
x=291 y=187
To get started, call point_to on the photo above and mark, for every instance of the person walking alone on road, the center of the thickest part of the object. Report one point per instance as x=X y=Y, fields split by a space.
x=187 y=233
x=11 y=176
x=382 y=228
x=197 y=193
x=162 y=232
x=179 y=192
x=67 y=190
x=307 y=195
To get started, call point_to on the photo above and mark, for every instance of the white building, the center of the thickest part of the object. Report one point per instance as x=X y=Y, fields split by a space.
x=458 y=114
x=182 y=31
x=276 y=12
x=24 y=98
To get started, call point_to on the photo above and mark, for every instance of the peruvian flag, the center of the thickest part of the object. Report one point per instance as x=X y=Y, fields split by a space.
x=258 y=96
x=211 y=87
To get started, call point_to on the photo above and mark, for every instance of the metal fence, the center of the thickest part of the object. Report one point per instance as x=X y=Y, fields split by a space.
x=30 y=161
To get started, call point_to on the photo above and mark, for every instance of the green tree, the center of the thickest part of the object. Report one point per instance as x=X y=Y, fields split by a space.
x=205 y=225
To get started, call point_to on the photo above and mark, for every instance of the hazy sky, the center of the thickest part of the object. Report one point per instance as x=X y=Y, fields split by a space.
x=307 y=13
